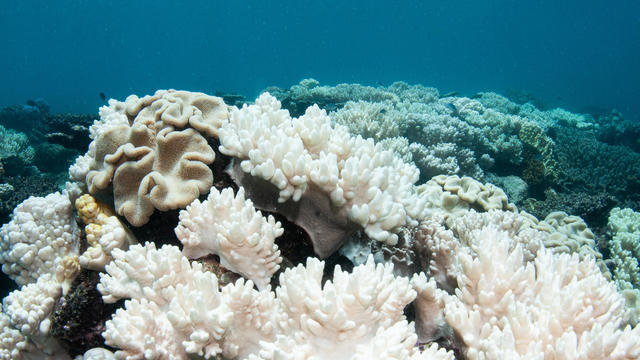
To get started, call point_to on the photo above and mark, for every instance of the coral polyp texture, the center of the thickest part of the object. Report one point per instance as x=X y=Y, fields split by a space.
x=276 y=230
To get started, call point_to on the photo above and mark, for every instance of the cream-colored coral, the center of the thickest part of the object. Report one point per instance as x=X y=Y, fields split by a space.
x=452 y=196
x=568 y=234
x=624 y=225
x=230 y=227
x=154 y=152
x=104 y=232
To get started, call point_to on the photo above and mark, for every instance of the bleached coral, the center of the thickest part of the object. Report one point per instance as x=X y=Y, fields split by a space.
x=41 y=239
x=306 y=155
x=12 y=342
x=30 y=306
x=452 y=196
x=370 y=120
x=568 y=234
x=26 y=313
x=231 y=228
x=176 y=309
x=555 y=305
x=624 y=225
x=178 y=301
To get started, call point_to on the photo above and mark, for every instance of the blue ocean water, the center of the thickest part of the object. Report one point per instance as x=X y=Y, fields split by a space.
x=579 y=55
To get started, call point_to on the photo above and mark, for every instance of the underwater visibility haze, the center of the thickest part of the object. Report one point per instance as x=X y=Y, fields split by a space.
x=320 y=180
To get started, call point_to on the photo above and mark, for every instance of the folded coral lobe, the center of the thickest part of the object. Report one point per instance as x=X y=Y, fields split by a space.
x=154 y=151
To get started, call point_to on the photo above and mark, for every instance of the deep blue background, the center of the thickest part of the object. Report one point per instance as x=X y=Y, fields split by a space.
x=570 y=53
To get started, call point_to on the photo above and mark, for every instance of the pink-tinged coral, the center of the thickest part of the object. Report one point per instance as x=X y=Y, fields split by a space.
x=230 y=227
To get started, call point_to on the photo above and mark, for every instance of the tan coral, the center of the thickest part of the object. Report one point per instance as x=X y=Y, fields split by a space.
x=158 y=158
x=452 y=196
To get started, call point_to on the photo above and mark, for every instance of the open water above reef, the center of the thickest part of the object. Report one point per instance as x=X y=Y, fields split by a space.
x=580 y=55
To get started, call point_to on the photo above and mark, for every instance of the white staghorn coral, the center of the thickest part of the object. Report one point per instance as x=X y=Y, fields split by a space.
x=231 y=228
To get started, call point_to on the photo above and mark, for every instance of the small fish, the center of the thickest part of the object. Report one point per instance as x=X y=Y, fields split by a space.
x=452 y=107
x=103 y=96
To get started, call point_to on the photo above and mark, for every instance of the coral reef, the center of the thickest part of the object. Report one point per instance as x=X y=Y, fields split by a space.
x=202 y=236
x=624 y=225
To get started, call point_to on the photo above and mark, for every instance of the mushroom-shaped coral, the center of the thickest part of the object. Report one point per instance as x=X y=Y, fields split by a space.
x=154 y=152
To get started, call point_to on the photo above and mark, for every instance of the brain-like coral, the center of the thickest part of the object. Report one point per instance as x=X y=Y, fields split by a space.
x=154 y=151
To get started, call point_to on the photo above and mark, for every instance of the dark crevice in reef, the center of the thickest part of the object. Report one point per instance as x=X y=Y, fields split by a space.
x=159 y=229
x=79 y=317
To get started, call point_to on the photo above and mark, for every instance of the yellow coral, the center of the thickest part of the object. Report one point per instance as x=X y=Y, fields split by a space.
x=92 y=211
x=104 y=232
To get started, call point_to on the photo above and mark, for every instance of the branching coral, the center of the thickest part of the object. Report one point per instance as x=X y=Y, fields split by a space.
x=345 y=178
x=505 y=307
x=231 y=228
x=176 y=309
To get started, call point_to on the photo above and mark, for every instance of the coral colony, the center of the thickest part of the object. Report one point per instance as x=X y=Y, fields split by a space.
x=404 y=257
